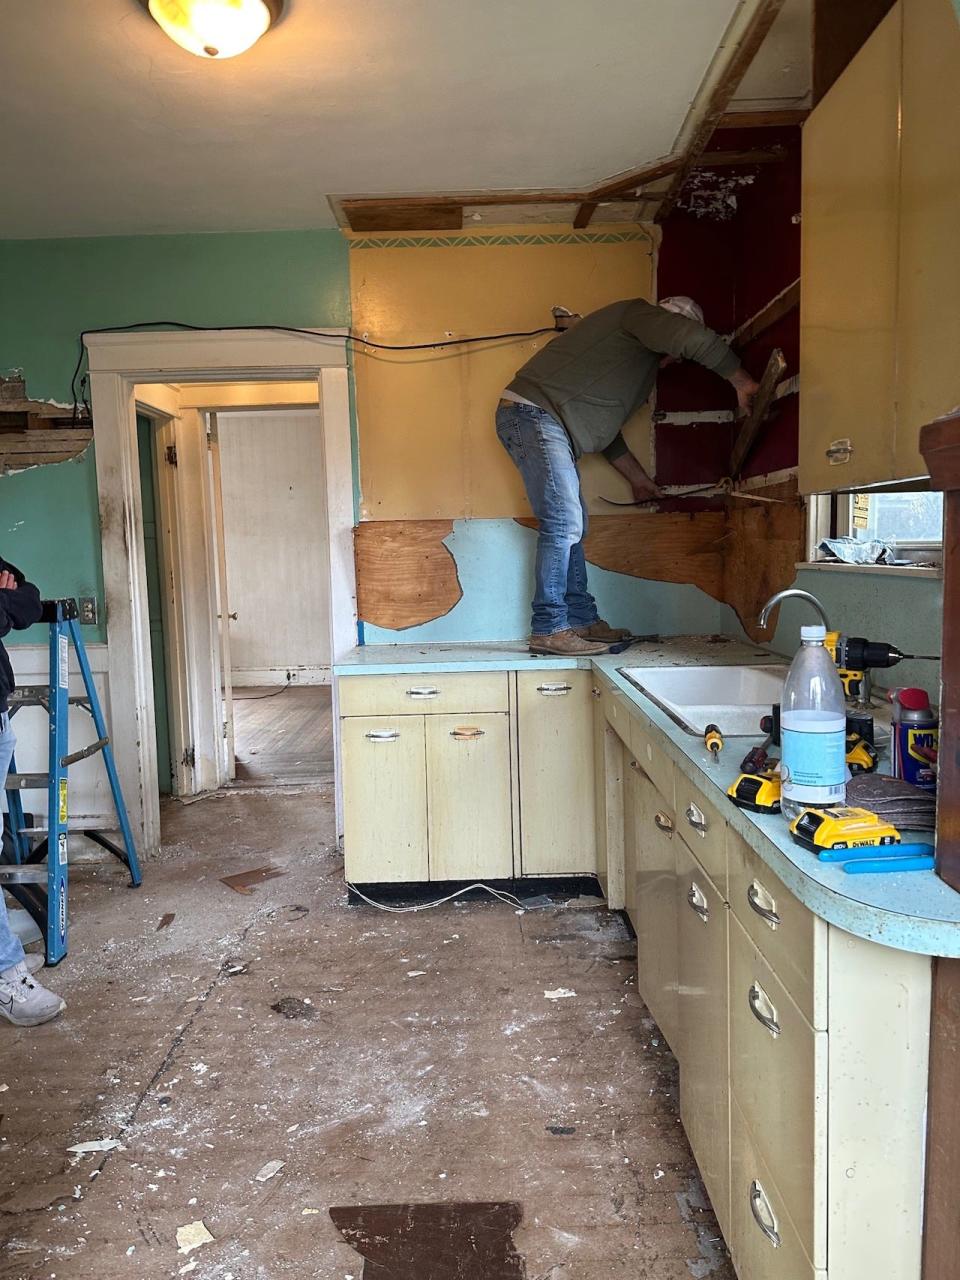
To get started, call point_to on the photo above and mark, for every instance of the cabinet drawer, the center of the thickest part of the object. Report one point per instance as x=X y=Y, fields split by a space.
x=655 y=763
x=415 y=695
x=703 y=829
x=790 y=936
x=778 y=1075
x=762 y=1239
x=616 y=708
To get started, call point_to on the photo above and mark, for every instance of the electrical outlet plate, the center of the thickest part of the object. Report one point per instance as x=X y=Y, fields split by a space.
x=87 y=607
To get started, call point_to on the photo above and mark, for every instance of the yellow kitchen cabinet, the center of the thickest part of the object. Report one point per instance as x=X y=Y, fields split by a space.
x=762 y=1239
x=385 y=799
x=849 y=271
x=633 y=781
x=656 y=904
x=928 y=315
x=469 y=810
x=778 y=1075
x=608 y=782
x=558 y=833
x=702 y=1038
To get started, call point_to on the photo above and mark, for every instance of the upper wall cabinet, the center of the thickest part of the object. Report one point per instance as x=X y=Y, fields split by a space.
x=880 y=325
x=851 y=161
x=928 y=301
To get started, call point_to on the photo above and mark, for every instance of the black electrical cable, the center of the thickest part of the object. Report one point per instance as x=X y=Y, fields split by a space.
x=285 y=328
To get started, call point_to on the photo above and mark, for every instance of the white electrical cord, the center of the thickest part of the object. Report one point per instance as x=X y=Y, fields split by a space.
x=509 y=898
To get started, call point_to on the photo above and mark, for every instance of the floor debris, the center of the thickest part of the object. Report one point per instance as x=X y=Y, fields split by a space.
x=242 y=881
x=560 y=993
x=166 y=920
x=102 y=1144
x=192 y=1236
x=291 y=1007
x=270 y=1170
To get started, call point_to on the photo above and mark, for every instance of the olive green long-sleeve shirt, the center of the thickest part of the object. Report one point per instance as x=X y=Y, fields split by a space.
x=595 y=375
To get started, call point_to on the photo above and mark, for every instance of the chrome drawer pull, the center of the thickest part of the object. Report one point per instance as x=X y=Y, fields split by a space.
x=425 y=691
x=763 y=1215
x=754 y=892
x=554 y=689
x=664 y=823
x=697 y=819
x=467 y=733
x=763 y=1008
x=383 y=735
x=698 y=902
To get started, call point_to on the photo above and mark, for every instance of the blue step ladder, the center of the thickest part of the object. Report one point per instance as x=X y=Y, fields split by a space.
x=42 y=890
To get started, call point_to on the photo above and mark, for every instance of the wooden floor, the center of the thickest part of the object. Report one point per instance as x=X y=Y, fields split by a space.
x=283 y=737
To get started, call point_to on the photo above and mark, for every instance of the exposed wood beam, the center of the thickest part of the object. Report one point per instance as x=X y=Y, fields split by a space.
x=400 y=215
x=719 y=97
x=839 y=32
x=584 y=214
x=763 y=119
x=762 y=401
x=777 y=307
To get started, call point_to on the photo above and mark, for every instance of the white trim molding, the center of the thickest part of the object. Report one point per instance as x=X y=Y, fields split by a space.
x=119 y=363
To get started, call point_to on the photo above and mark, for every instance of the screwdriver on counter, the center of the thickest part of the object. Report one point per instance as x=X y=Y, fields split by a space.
x=713 y=741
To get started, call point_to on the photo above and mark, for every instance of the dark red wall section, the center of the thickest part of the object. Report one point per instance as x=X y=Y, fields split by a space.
x=733 y=268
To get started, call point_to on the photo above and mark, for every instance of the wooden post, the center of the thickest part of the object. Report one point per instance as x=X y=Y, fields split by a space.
x=940 y=445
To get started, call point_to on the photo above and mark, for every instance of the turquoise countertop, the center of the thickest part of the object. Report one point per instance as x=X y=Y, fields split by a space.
x=913 y=911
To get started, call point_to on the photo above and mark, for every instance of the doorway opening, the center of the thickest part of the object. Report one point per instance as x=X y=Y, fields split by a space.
x=251 y=513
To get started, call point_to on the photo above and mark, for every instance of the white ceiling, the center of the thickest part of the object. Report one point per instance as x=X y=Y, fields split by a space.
x=109 y=128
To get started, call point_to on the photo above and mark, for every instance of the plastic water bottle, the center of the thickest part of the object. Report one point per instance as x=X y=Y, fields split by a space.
x=813 y=729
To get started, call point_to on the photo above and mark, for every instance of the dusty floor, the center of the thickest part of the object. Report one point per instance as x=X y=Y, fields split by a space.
x=433 y=1068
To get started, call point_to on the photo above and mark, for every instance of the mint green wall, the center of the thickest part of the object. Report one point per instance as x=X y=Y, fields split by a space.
x=51 y=289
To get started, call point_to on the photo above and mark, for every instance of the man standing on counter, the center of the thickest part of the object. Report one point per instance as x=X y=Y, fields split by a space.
x=571 y=398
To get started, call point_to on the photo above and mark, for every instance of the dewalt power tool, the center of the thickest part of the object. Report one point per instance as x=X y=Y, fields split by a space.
x=759 y=792
x=842 y=828
x=855 y=656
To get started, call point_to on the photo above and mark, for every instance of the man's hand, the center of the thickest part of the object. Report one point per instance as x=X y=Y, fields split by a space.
x=8 y=581
x=644 y=489
x=745 y=387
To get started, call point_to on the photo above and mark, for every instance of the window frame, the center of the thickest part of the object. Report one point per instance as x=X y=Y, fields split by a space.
x=830 y=515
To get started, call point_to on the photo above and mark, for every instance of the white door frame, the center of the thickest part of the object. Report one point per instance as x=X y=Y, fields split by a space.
x=120 y=361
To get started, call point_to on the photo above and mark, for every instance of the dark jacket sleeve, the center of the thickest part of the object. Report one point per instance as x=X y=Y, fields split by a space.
x=616 y=448
x=19 y=608
x=672 y=335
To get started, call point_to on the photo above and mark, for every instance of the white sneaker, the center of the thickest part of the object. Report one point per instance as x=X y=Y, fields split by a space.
x=23 y=1001
x=34 y=960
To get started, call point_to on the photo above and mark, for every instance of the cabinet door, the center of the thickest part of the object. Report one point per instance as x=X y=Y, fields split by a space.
x=632 y=807
x=557 y=790
x=702 y=1046
x=384 y=799
x=850 y=240
x=928 y=317
x=656 y=897
x=468 y=797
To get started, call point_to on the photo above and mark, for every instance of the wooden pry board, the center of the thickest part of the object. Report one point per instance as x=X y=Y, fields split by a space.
x=776 y=367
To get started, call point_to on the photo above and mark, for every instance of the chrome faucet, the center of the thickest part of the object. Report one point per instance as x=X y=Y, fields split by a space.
x=793 y=593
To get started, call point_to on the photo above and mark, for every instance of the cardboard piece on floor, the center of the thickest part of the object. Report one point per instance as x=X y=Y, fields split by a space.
x=242 y=880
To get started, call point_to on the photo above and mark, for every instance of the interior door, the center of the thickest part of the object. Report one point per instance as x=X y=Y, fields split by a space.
x=224 y=615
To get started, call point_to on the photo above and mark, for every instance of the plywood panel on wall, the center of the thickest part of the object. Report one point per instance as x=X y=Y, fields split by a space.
x=428 y=446
x=405 y=574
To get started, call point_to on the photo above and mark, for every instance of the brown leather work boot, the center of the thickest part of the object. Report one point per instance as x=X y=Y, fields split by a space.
x=603 y=632
x=566 y=644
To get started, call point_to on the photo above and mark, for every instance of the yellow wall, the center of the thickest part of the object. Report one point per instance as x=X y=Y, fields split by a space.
x=428 y=447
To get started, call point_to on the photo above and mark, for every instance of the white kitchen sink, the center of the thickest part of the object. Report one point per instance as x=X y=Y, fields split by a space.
x=734 y=698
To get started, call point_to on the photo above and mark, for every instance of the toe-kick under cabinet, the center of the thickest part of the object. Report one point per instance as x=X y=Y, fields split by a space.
x=466 y=776
x=802 y=1049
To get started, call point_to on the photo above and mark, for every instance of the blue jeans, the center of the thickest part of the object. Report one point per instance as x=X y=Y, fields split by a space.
x=541 y=450
x=11 y=952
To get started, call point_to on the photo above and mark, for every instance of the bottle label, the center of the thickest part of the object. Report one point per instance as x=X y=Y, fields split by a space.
x=813 y=765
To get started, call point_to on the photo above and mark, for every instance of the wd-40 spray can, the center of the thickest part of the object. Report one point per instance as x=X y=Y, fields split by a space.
x=915 y=738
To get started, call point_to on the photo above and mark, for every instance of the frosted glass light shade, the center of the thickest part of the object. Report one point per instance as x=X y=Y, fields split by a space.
x=214 y=28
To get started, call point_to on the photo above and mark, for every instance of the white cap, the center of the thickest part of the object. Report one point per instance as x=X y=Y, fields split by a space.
x=817 y=631
x=683 y=306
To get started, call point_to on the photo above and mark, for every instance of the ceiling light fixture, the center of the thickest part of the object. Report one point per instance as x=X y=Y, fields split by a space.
x=215 y=28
